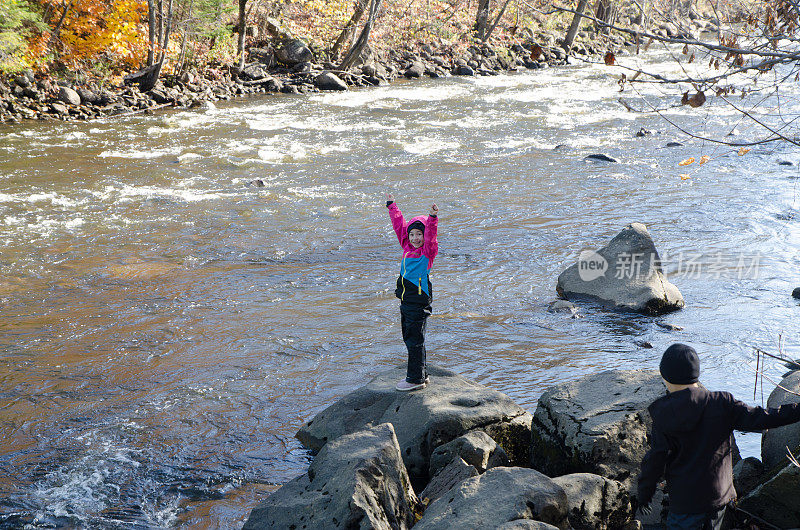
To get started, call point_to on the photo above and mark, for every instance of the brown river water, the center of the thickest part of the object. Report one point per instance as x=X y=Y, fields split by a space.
x=166 y=325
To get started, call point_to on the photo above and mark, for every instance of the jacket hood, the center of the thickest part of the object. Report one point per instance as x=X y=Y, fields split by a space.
x=421 y=218
x=680 y=411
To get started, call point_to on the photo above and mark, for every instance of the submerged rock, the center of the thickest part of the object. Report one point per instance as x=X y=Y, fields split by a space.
x=599 y=157
x=626 y=273
x=501 y=495
x=356 y=481
x=448 y=408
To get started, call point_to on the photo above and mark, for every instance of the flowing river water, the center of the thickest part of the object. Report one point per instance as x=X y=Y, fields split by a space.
x=166 y=325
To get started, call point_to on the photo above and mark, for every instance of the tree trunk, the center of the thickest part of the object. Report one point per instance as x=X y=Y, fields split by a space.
x=349 y=29
x=167 y=31
x=355 y=52
x=151 y=32
x=482 y=18
x=573 y=28
x=496 y=21
x=242 y=31
x=160 y=27
x=187 y=16
x=54 y=35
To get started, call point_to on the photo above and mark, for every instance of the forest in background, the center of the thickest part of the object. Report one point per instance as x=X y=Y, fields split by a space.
x=106 y=39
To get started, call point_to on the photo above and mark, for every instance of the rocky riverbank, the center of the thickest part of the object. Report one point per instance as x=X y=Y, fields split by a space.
x=458 y=454
x=287 y=65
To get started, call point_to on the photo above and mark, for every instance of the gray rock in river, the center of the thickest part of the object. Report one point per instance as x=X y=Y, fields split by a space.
x=329 y=81
x=595 y=501
x=776 y=500
x=293 y=52
x=501 y=495
x=416 y=70
x=596 y=424
x=448 y=408
x=67 y=95
x=775 y=441
x=356 y=481
x=463 y=70
x=626 y=273
x=599 y=157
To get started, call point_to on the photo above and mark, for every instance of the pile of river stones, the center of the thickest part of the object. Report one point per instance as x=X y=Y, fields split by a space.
x=458 y=454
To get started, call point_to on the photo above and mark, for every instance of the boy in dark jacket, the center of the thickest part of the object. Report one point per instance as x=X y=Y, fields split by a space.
x=691 y=443
x=420 y=247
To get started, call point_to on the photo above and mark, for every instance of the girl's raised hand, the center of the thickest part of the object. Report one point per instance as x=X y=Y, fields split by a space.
x=389 y=197
x=434 y=210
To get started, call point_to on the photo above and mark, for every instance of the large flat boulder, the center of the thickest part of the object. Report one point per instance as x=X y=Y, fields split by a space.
x=625 y=274
x=356 y=481
x=776 y=500
x=449 y=407
x=501 y=496
x=597 y=424
x=775 y=441
x=595 y=502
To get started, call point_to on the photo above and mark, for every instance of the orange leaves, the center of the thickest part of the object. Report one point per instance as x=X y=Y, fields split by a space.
x=703 y=160
x=743 y=151
x=95 y=28
x=686 y=162
x=684 y=176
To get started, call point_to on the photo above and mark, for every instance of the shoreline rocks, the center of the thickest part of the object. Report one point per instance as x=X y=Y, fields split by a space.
x=449 y=408
x=287 y=66
x=585 y=443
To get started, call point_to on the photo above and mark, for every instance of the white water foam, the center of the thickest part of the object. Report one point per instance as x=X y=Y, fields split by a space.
x=426 y=146
x=140 y=154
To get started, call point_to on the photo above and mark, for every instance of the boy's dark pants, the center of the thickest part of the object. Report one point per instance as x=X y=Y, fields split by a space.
x=701 y=521
x=413 y=318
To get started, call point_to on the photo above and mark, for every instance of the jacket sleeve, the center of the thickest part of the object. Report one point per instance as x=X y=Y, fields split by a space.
x=397 y=221
x=747 y=418
x=653 y=465
x=430 y=246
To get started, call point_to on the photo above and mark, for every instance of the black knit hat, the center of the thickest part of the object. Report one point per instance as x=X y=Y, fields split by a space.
x=680 y=365
x=416 y=225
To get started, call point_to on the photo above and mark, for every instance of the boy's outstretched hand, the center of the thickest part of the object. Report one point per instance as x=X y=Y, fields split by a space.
x=389 y=197
x=434 y=210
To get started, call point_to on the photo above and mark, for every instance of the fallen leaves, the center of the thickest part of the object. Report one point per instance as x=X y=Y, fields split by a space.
x=695 y=100
x=686 y=162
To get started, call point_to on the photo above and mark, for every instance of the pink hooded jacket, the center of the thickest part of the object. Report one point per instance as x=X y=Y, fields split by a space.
x=413 y=284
